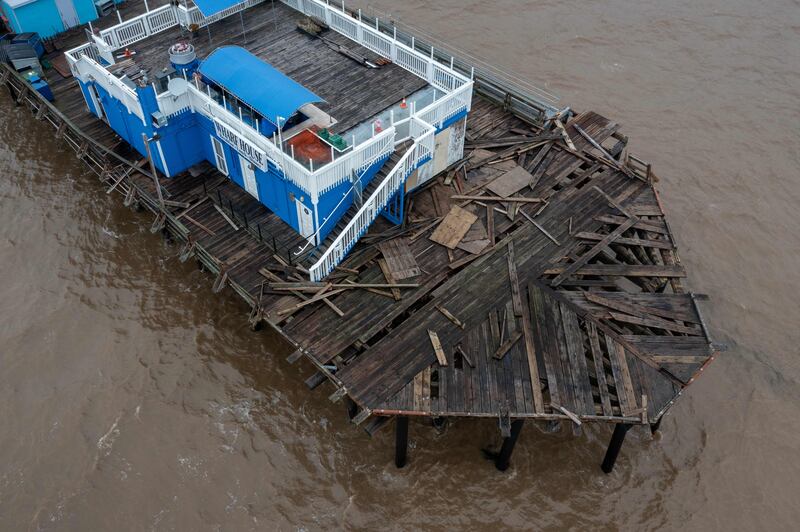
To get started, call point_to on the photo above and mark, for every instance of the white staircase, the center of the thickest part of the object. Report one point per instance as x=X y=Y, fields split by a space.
x=384 y=186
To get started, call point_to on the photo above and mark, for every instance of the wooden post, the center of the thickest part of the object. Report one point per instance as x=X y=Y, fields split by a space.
x=352 y=408
x=655 y=427
x=614 y=447
x=153 y=171
x=401 y=441
x=503 y=459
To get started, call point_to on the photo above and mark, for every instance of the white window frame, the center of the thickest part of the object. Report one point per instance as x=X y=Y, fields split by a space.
x=219 y=155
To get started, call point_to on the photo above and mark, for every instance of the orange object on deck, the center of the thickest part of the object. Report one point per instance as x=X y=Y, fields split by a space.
x=307 y=145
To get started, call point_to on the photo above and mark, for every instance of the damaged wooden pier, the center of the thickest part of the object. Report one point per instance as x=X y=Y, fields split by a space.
x=536 y=279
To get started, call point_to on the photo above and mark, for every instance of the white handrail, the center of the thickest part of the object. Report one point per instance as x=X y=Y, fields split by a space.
x=140 y=27
x=438 y=112
x=441 y=76
x=87 y=69
x=422 y=148
x=357 y=160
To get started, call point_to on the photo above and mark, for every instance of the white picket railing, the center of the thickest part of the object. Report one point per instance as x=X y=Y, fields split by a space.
x=428 y=68
x=359 y=159
x=448 y=106
x=421 y=150
x=141 y=27
x=89 y=50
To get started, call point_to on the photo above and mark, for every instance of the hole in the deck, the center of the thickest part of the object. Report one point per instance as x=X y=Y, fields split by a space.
x=458 y=360
x=435 y=384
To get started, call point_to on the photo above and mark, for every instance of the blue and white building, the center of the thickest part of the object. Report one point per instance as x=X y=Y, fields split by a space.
x=268 y=133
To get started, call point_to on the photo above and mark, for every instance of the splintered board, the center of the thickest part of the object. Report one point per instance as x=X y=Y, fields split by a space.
x=453 y=228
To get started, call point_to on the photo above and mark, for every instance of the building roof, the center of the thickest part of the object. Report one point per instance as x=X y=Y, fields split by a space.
x=212 y=7
x=256 y=83
x=17 y=3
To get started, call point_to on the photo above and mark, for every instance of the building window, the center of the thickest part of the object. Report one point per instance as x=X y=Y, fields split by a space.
x=219 y=155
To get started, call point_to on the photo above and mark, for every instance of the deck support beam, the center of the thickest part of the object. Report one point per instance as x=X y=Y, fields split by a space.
x=614 y=446
x=401 y=441
x=503 y=459
x=655 y=427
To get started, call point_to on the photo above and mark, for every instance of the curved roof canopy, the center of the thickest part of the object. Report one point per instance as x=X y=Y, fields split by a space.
x=256 y=83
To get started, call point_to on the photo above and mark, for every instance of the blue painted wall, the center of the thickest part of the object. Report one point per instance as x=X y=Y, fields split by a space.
x=329 y=206
x=86 y=10
x=42 y=16
x=186 y=141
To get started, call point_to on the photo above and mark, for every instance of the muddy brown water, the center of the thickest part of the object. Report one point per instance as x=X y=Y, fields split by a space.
x=133 y=398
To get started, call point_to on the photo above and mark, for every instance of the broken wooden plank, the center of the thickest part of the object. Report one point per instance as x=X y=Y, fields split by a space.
x=313 y=287
x=227 y=218
x=622 y=376
x=586 y=257
x=650 y=226
x=198 y=224
x=635 y=309
x=437 y=348
x=679 y=359
x=533 y=365
x=571 y=415
x=565 y=135
x=657 y=323
x=389 y=279
x=449 y=315
x=490 y=224
x=399 y=258
x=644 y=242
x=316 y=299
x=464 y=355
x=514 y=199
x=516 y=297
x=540 y=228
x=626 y=270
x=506 y=347
x=453 y=228
x=599 y=368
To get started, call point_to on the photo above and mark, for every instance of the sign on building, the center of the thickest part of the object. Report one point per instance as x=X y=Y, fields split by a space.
x=247 y=149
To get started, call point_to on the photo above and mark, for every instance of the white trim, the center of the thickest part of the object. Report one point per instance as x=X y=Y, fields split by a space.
x=215 y=142
x=99 y=109
x=163 y=160
x=249 y=178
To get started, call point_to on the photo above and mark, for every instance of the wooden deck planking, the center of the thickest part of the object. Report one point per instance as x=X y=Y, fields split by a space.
x=382 y=359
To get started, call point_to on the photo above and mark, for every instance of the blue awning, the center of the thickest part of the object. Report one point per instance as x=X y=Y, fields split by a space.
x=256 y=83
x=212 y=7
